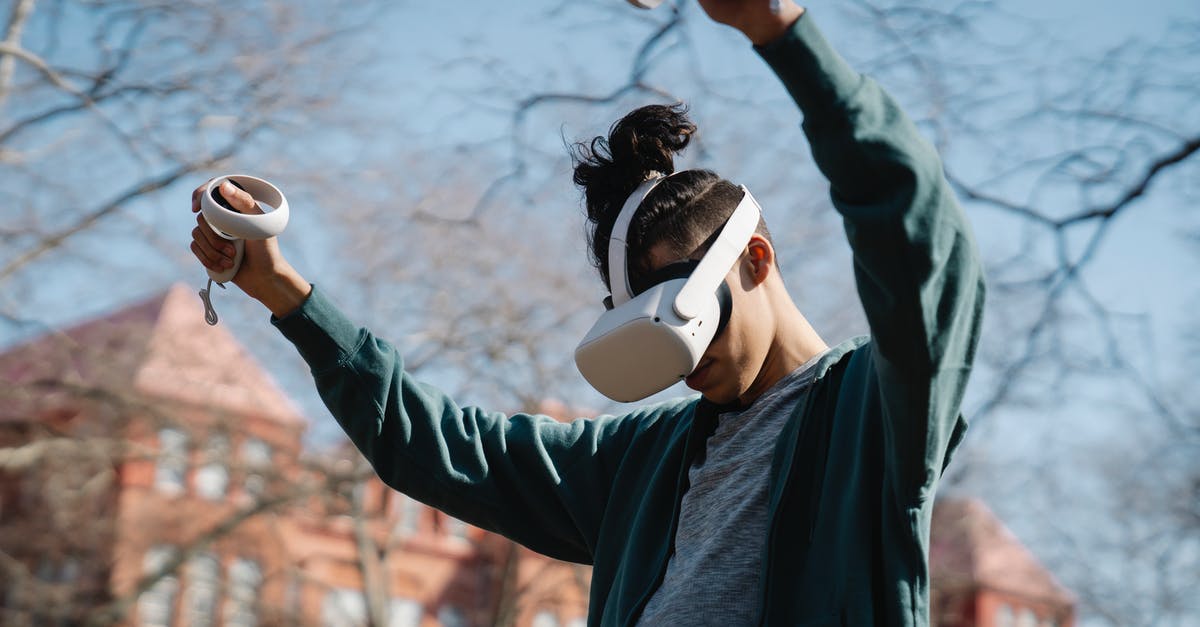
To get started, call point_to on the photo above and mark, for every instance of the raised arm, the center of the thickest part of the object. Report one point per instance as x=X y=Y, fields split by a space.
x=915 y=261
x=543 y=483
x=540 y=482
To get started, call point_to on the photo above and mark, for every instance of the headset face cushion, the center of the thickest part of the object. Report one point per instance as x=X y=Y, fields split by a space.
x=725 y=298
x=677 y=270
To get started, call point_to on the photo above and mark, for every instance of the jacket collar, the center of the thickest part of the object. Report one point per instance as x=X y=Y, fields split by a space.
x=707 y=411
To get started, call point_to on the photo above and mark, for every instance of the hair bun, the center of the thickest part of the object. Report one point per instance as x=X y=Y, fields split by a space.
x=608 y=169
x=648 y=138
x=644 y=141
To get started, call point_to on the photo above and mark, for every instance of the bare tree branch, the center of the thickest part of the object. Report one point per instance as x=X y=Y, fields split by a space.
x=21 y=9
x=53 y=240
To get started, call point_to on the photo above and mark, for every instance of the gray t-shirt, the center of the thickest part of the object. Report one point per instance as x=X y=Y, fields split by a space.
x=713 y=576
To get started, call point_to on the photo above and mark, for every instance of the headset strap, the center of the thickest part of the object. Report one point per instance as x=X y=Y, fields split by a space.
x=618 y=273
x=719 y=258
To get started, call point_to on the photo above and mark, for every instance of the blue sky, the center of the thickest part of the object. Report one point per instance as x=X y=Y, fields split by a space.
x=418 y=70
x=441 y=78
x=427 y=75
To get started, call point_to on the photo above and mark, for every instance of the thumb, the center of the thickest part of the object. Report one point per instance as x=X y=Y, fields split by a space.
x=239 y=199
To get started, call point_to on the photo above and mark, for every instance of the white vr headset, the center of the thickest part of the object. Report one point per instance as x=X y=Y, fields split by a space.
x=648 y=341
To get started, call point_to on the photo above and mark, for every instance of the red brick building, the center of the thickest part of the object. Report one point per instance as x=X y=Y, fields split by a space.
x=152 y=473
x=982 y=576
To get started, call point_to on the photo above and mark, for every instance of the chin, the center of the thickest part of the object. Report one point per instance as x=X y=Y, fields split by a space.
x=719 y=397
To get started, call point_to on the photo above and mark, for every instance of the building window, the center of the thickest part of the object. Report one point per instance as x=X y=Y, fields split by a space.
x=213 y=477
x=69 y=571
x=45 y=611
x=544 y=618
x=344 y=606
x=156 y=607
x=1026 y=618
x=241 y=606
x=1004 y=616
x=55 y=571
x=200 y=591
x=348 y=606
x=577 y=622
x=408 y=514
x=256 y=458
x=404 y=613
x=456 y=528
x=171 y=466
x=450 y=616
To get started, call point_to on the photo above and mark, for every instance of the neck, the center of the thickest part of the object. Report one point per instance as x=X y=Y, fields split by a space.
x=795 y=342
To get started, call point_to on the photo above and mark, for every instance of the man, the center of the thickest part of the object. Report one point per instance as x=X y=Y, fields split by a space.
x=798 y=489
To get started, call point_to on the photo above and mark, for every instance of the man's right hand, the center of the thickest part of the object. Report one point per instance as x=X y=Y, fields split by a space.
x=754 y=17
x=265 y=274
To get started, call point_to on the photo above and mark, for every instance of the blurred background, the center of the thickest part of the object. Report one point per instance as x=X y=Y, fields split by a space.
x=157 y=471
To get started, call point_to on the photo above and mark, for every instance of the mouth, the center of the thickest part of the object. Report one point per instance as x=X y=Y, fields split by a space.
x=698 y=376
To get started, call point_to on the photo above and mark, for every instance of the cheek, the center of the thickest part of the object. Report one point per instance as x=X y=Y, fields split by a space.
x=721 y=348
x=729 y=350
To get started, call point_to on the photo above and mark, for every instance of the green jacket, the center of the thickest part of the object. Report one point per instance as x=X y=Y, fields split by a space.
x=855 y=468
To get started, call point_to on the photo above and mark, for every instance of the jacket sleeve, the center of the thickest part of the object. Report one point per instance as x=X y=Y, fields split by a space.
x=915 y=261
x=538 y=481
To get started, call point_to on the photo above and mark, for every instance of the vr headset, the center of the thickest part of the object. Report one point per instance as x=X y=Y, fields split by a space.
x=651 y=338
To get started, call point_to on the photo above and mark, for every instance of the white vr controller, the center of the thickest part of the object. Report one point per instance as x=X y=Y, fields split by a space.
x=236 y=227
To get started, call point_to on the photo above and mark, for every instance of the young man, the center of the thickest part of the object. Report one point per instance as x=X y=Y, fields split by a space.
x=798 y=489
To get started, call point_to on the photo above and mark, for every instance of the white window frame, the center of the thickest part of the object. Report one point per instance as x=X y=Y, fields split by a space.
x=202 y=590
x=159 y=600
x=403 y=612
x=170 y=468
x=451 y=616
x=456 y=529
x=544 y=618
x=241 y=599
x=408 y=514
x=1005 y=617
x=344 y=606
x=212 y=479
x=255 y=456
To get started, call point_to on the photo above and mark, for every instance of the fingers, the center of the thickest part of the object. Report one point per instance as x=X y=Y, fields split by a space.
x=206 y=260
x=214 y=251
x=240 y=199
x=196 y=194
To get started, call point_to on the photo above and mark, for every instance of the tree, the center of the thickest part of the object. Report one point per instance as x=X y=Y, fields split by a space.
x=1070 y=142
x=105 y=104
x=103 y=107
x=1067 y=154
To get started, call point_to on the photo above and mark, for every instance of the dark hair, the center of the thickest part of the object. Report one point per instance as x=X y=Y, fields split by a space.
x=683 y=211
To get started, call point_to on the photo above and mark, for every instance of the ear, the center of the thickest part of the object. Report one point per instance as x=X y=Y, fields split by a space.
x=758 y=259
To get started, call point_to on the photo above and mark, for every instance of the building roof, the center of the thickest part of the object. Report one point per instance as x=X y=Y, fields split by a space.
x=971 y=548
x=158 y=348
